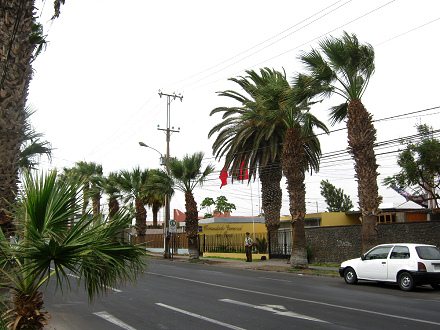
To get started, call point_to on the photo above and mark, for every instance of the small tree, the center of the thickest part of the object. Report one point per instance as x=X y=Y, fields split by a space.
x=222 y=205
x=419 y=168
x=207 y=203
x=335 y=198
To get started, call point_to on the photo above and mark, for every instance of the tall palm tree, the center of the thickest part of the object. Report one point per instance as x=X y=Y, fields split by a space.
x=247 y=140
x=134 y=184
x=21 y=41
x=344 y=67
x=110 y=185
x=49 y=248
x=159 y=185
x=301 y=153
x=188 y=174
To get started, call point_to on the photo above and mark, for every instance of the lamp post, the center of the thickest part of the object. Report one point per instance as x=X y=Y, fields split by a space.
x=167 y=204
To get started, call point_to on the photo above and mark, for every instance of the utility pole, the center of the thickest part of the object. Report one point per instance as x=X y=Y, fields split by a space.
x=168 y=130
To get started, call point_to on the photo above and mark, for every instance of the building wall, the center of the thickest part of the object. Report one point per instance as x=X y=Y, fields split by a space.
x=327 y=219
x=335 y=244
x=232 y=228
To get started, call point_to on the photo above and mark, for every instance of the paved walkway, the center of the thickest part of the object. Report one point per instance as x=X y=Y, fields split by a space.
x=279 y=265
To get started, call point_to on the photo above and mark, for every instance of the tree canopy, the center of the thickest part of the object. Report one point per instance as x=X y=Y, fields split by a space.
x=335 y=198
x=419 y=168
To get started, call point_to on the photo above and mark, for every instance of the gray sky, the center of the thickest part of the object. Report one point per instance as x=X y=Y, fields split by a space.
x=95 y=87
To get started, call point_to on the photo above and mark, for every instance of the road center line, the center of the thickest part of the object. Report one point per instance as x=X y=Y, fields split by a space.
x=297 y=299
x=110 y=318
x=204 y=318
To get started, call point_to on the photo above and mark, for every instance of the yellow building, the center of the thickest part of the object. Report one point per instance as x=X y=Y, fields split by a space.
x=224 y=236
x=325 y=219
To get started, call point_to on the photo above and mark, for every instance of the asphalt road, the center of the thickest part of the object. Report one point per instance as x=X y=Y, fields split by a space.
x=182 y=295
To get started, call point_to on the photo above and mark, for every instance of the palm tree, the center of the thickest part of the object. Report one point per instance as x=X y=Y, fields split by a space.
x=159 y=185
x=134 y=185
x=48 y=248
x=110 y=186
x=188 y=174
x=247 y=140
x=301 y=153
x=343 y=66
x=21 y=42
x=89 y=173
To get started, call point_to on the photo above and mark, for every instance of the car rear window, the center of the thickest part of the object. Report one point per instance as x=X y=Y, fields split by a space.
x=428 y=252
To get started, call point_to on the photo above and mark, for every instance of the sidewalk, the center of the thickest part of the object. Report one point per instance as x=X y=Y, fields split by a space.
x=277 y=265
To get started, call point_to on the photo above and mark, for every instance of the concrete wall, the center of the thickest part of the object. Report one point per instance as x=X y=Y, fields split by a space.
x=335 y=244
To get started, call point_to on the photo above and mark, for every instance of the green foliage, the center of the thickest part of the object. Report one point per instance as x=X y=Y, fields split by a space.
x=419 y=166
x=32 y=146
x=222 y=205
x=341 y=66
x=245 y=134
x=335 y=198
x=188 y=173
x=56 y=240
x=261 y=245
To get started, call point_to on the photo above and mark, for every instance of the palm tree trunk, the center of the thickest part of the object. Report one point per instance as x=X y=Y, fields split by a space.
x=113 y=206
x=155 y=210
x=28 y=311
x=294 y=166
x=16 y=21
x=361 y=139
x=85 y=193
x=141 y=217
x=192 y=225
x=271 y=196
x=96 y=204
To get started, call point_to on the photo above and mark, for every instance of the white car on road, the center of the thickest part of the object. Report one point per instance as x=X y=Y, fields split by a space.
x=408 y=265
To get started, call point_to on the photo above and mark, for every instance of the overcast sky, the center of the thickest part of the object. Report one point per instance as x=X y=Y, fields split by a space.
x=95 y=88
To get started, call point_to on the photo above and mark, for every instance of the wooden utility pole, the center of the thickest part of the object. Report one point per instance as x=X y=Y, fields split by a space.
x=168 y=130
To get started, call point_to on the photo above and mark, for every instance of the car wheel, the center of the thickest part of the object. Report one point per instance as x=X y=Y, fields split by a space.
x=350 y=276
x=435 y=286
x=405 y=281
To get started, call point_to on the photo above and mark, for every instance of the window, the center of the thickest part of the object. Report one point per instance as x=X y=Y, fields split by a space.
x=312 y=222
x=386 y=218
x=428 y=252
x=380 y=252
x=400 y=252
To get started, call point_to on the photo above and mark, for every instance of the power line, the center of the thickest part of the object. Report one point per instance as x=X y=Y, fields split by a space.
x=307 y=42
x=274 y=42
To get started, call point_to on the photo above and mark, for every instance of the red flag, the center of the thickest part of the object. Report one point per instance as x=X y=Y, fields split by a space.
x=244 y=175
x=223 y=177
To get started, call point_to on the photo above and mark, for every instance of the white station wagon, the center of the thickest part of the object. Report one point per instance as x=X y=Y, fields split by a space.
x=408 y=265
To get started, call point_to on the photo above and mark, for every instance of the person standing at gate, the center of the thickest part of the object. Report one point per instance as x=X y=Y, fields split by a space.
x=248 y=243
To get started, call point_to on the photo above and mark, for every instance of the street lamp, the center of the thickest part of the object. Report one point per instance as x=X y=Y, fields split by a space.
x=142 y=144
x=166 y=239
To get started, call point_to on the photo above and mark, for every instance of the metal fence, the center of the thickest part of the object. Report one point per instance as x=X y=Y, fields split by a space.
x=280 y=244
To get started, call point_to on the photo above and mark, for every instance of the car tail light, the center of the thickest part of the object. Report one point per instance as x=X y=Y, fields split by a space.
x=421 y=267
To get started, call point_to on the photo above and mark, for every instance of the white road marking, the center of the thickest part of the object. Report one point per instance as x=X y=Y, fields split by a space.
x=110 y=318
x=298 y=299
x=276 y=309
x=226 y=325
x=108 y=287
